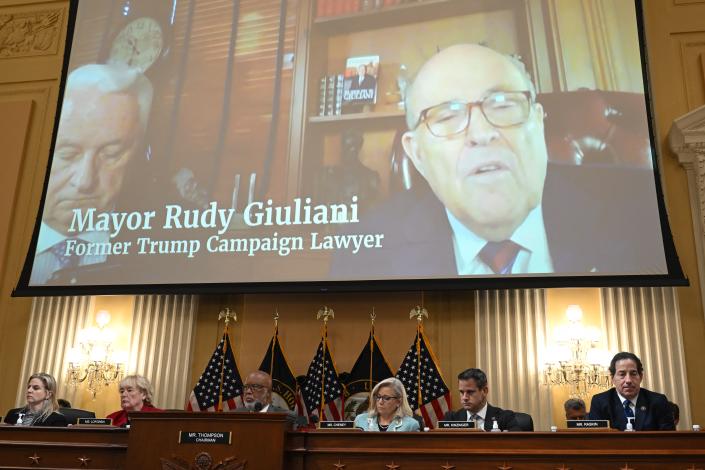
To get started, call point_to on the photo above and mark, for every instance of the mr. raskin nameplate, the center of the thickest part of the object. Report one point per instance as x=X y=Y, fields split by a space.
x=96 y=421
x=588 y=423
x=456 y=425
x=335 y=425
x=206 y=437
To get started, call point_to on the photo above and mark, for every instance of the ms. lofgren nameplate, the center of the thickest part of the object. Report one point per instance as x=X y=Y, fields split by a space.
x=209 y=437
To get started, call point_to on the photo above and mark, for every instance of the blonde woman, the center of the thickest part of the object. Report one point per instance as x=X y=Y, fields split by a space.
x=42 y=408
x=389 y=409
x=135 y=395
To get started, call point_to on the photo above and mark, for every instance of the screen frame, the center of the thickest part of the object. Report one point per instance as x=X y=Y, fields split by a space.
x=674 y=277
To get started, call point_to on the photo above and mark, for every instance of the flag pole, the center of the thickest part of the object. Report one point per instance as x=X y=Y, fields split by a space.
x=418 y=312
x=274 y=339
x=373 y=315
x=226 y=314
x=325 y=313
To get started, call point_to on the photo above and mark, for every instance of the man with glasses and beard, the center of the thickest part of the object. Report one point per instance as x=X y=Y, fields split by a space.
x=257 y=397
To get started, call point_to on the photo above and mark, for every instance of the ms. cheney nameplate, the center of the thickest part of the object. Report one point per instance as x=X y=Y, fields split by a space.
x=588 y=424
x=335 y=425
x=209 y=437
x=456 y=425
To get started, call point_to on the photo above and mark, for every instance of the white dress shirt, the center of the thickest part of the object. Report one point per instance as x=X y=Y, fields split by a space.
x=533 y=256
x=632 y=403
x=480 y=417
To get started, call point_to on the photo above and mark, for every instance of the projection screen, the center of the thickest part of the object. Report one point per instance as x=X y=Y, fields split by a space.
x=301 y=144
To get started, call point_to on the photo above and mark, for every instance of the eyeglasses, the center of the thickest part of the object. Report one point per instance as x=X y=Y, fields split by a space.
x=253 y=387
x=384 y=398
x=501 y=109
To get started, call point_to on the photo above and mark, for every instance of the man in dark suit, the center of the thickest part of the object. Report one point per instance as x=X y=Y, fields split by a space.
x=649 y=411
x=363 y=80
x=490 y=203
x=472 y=385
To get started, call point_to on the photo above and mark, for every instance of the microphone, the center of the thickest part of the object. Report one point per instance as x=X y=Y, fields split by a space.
x=258 y=407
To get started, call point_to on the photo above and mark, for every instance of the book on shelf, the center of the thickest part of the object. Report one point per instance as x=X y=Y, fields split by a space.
x=330 y=95
x=322 y=96
x=339 y=81
x=325 y=8
x=360 y=83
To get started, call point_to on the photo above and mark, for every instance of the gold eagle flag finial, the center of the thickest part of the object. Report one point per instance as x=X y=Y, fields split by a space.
x=418 y=312
x=326 y=313
x=228 y=314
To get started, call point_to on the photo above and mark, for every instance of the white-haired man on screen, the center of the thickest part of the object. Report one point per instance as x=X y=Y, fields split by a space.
x=495 y=205
x=103 y=119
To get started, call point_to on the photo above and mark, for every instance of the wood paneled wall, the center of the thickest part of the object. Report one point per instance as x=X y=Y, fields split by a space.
x=675 y=32
x=29 y=78
x=29 y=86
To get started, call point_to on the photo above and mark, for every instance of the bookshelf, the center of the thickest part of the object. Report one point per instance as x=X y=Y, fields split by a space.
x=405 y=33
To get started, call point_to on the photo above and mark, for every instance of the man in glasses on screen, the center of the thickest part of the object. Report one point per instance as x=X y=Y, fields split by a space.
x=496 y=206
x=103 y=118
x=476 y=136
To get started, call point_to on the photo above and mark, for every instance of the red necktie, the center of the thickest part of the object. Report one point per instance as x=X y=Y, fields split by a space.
x=500 y=256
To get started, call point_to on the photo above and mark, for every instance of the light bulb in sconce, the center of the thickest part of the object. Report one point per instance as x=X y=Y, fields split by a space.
x=119 y=357
x=102 y=318
x=74 y=356
x=574 y=313
x=98 y=354
x=107 y=336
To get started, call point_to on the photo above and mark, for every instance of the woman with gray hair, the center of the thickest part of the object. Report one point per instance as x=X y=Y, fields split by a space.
x=135 y=395
x=41 y=408
x=389 y=409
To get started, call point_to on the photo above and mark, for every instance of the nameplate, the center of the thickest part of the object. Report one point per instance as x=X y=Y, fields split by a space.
x=96 y=421
x=335 y=425
x=209 y=437
x=588 y=423
x=456 y=425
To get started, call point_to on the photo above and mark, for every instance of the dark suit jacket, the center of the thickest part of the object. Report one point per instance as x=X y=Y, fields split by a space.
x=54 y=419
x=368 y=82
x=593 y=218
x=653 y=413
x=505 y=418
x=291 y=417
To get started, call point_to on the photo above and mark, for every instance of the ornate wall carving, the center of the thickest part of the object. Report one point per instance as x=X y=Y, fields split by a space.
x=30 y=34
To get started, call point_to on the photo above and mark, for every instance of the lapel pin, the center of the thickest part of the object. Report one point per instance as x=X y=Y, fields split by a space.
x=643 y=408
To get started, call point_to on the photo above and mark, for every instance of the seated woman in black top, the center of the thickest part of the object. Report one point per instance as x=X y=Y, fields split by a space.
x=41 y=408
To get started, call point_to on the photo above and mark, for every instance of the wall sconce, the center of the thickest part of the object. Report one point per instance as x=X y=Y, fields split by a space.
x=94 y=362
x=574 y=360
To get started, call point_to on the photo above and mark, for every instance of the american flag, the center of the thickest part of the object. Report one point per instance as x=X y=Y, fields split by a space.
x=315 y=380
x=220 y=384
x=427 y=391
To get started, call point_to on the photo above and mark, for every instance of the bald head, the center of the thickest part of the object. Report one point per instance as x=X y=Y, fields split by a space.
x=455 y=64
